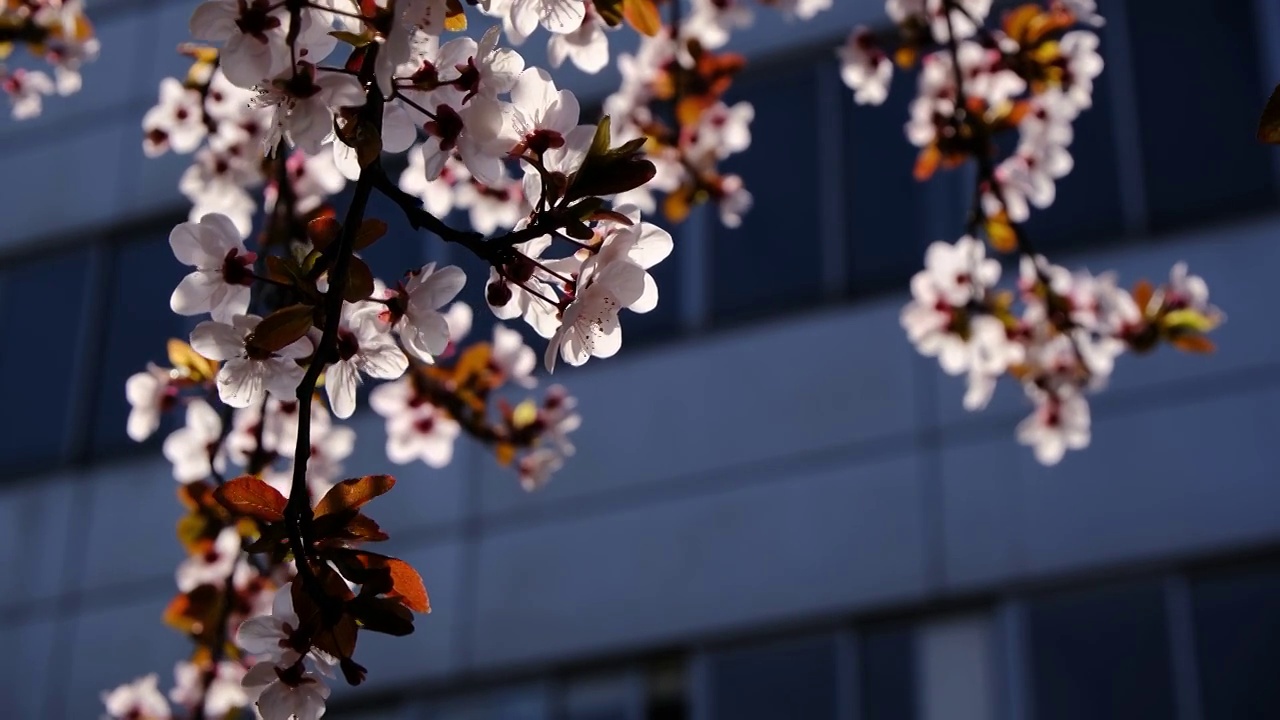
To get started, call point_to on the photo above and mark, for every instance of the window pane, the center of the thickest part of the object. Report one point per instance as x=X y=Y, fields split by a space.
x=663 y=321
x=1198 y=119
x=887 y=667
x=1238 y=641
x=38 y=360
x=956 y=664
x=1101 y=653
x=401 y=249
x=774 y=260
x=789 y=681
x=611 y=698
x=528 y=703
x=1086 y=209
x=890 y=216
x=137 y=325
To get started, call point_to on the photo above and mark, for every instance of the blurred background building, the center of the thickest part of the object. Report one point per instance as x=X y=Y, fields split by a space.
x=778 y=510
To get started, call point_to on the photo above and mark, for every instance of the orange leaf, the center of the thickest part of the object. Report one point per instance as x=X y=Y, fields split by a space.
x=455 y=17
x=643 y=16
x=1001 y=234
x=352 y=494
x=1142 y=294
x=927 y=163
x=249 y=496
x=406 y=584
x=1193 y=344
x=506 y=452
x=677 y=205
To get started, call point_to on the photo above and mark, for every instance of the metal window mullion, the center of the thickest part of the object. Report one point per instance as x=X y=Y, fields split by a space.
x=90 y=346
x=1125 y=117
x=831 y=99
x=849 y=675
x=1013 y=662
x=700 y=697
x=1182 y=649
x=695 y=237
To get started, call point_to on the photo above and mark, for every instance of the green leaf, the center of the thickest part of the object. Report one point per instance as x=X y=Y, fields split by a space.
x=600 y=143
x=352 y=39
x=1188 y=319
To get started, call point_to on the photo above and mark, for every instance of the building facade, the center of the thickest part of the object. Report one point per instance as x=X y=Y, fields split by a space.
x=777 y=510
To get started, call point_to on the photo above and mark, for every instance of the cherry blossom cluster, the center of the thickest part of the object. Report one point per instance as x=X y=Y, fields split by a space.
x=1060 y=333
x=289 y=102
x=292 y=322
x=56 y=32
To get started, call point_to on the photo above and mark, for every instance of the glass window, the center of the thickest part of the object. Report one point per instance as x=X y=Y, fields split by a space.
x=774 y=260
x=603 y=698
x=1086 y=209
x=795 y=680
x=1101 y=653
x=956 y=669
x=525 y=703
x=891 y=217
x=402 y=249
x=887 y=672
x=1238 y=641
x=663 y=321
x=137 y=325
x=42 y=305
x=1198 y=119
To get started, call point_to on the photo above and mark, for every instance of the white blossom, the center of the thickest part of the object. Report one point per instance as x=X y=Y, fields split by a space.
x=248 y=373
x=195 y=448
x=223 y=268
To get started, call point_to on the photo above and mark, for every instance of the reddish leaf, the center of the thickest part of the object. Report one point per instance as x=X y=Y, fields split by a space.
x=337 y=529
x=249 y=496
x=359 y=281
x=352 y=494
x=339 y=639
x=280 y=270
x=382 y=615
x=406 y=583
x=1269 y=125
x=370 y=231
x=281 y=328
x=323 y=231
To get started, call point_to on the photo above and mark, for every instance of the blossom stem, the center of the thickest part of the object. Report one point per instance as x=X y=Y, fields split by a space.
x=987 y=177
x=218 y=647
x=298 y=514
x=398 y=96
